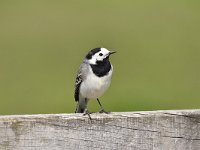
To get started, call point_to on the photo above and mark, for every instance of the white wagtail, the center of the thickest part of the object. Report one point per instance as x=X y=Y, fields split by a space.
x=93 y=78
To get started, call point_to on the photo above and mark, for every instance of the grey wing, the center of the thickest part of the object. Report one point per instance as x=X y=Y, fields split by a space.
x=77 y=87
x=83 y=70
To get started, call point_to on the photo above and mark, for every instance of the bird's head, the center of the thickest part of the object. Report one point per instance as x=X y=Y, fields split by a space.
x=98 y=55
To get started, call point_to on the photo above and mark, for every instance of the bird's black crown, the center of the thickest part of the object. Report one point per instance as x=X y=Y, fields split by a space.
x=92 y=52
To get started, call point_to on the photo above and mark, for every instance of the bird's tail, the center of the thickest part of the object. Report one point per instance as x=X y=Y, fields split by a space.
x=81 y=105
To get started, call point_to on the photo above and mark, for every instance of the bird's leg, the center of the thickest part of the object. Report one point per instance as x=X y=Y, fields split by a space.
x=86 y=112
x=102 y=110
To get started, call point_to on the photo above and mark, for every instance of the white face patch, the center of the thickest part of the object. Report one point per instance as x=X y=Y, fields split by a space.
x=100 y=56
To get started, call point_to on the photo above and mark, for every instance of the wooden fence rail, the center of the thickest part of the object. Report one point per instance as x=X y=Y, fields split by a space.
x=150 y=130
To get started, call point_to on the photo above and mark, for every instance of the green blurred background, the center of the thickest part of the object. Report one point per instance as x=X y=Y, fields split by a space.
x=42 y=43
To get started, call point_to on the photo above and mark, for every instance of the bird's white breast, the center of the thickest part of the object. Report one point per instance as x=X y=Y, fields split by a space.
x=94 y=86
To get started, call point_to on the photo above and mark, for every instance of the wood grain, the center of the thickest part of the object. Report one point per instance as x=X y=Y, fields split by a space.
x=150 y=130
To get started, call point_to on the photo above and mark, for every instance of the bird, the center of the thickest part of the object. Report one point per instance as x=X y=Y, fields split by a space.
x=93 y=79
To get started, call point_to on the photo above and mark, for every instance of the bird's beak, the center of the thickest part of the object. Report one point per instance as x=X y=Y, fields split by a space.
x=111 y=52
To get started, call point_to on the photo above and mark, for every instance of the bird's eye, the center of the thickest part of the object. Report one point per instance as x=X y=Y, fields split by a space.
x=100 y=54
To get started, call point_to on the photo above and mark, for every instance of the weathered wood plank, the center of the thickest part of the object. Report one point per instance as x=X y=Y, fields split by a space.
x=153 y=130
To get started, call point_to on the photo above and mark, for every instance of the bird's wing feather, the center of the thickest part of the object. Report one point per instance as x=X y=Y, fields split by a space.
x=77 y=86
x=79 y=79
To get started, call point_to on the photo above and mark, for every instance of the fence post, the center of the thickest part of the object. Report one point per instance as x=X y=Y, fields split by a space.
x=150 y=130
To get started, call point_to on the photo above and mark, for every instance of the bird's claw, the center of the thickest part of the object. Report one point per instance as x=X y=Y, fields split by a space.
x=103 y=111
x=87 y=113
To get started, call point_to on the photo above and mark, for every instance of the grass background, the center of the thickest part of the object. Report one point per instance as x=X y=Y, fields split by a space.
x=42 y=43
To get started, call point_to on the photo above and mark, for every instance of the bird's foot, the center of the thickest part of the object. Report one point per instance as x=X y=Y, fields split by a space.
x=103 y=111
x=86 y=112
